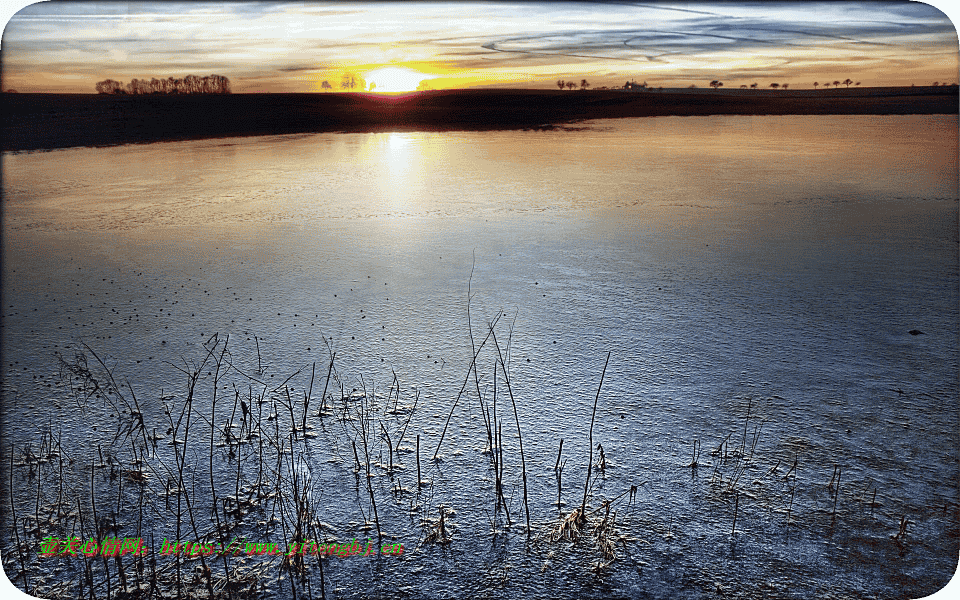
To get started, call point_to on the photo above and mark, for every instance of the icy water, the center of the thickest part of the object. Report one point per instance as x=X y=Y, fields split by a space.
x=754 y=280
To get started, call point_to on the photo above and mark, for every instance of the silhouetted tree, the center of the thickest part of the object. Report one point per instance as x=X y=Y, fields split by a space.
x=212 y=84
x=753 y=86
x=716 y=84
x=815 y=84
x=774 y=85
x=743 y=87
x=326 y=85
x=571 y=85
x=936 y=83
x=109 y=86
x=138 y=87
x=857 y=83
x=584 y=84
x=560 y=84
x=352 y=81
x=836 y=84
x=785 y=86
x=847 y=82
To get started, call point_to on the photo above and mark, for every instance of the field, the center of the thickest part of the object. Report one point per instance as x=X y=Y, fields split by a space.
x=47 y=121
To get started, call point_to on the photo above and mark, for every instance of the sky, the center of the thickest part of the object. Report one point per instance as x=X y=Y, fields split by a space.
x=67 y=47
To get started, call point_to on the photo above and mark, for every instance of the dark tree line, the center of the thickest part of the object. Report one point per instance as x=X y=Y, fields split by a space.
x=570 y=85
x=191 y=84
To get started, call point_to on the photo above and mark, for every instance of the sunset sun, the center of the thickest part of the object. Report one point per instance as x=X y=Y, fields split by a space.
x=395 y=79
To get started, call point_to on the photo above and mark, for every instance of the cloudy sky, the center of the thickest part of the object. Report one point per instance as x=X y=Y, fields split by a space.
x=293 y=47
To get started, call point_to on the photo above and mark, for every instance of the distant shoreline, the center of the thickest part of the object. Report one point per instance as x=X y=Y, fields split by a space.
x=49 y=121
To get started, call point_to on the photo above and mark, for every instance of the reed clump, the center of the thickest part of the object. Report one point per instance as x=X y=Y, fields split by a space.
x=229 y=458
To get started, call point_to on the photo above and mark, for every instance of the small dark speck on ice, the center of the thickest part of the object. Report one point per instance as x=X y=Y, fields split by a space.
x=915 y=332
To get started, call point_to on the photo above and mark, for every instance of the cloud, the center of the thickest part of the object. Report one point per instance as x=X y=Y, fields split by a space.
x=275 y=40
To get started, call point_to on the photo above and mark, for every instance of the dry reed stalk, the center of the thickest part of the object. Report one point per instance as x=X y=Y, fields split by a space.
x=306 y=399
x=389 y=447
x=419 y=477
x=416 y=401
x=213 y=492
x=259 y=364
x=593 y=416
x=523 y=462
x=499 y=475
x=438 y=533
x=366 y=454
x=559 y=471
x=736 y=508
x=355 y=457
x=16 y=529
x=323 y=397
x=836 y=494
x=293 y=421
x=471 y=367
x=496 y=450
x=796 y=460
x=696 y=454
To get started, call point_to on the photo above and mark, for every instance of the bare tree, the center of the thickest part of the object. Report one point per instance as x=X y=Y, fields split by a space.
x=584 y=84
x=138 y=87
x=716 y=84
x=571 y=85
x=109 y=86
x=847 y=82
x=560 y=84
x=352 y=81
x=211 y=84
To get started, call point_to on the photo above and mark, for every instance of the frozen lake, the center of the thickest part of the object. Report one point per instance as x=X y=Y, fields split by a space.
x=755 y=280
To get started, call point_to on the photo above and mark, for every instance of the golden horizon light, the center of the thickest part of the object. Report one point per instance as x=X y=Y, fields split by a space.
x=395 y=79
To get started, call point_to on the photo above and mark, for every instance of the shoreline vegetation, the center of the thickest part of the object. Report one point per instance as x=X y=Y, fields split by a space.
x=50 y=121
x=218 y=468
x=249 y=472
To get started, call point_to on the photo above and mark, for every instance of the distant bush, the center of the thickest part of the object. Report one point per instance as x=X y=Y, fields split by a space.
x=191 y=84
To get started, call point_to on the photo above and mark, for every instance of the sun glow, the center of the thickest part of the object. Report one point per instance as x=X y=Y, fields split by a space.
x=395 y=79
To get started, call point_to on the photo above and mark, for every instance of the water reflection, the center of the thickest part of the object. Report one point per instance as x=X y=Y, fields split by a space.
x=703 y=163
